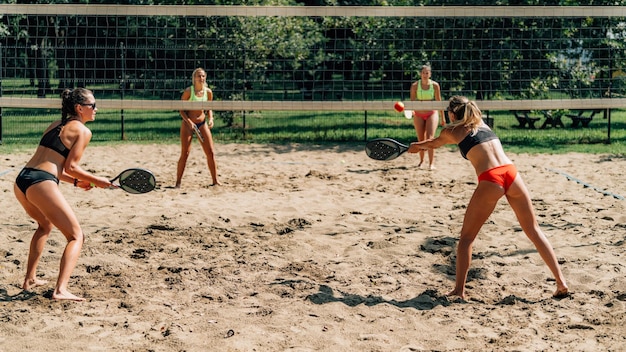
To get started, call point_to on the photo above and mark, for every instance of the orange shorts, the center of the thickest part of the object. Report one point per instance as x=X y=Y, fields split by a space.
x=503 y=175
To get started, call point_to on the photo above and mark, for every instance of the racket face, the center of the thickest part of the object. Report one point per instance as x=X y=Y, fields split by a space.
x=137 y=181
x=408 y=114
x=384 y=149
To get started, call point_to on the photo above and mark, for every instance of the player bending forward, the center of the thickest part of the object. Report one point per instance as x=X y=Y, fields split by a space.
x=497 y=177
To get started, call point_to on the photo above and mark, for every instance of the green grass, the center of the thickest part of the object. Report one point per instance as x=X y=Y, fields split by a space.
x=23 y=128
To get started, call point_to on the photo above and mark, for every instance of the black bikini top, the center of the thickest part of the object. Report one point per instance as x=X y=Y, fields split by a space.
x=52 y=140
x=482 y=135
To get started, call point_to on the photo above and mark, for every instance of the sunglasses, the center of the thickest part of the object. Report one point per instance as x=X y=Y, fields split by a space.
x=93 y=106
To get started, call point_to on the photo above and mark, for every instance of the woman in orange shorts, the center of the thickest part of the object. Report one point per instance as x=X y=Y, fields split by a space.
x=497 y=177
x=425 y=121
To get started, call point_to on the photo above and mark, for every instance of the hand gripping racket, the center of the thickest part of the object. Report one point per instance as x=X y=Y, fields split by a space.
x=384 y=149
x=135 y=180
x=197 y=131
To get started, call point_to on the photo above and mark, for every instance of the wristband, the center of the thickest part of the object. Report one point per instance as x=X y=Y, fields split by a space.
x=75 y=182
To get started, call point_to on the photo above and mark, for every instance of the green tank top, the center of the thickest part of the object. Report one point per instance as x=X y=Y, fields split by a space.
x=428 y=94
x=193 y=96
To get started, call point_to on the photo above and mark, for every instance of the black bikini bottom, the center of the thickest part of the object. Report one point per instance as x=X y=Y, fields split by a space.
x=29 y=176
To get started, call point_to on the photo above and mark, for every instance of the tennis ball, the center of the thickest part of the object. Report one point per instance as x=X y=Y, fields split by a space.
x=398 y=106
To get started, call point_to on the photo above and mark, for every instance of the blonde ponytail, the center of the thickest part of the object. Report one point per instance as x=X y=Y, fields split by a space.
x=466 y=112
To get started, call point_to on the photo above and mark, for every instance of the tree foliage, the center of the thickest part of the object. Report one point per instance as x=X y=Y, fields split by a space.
x=486 y=56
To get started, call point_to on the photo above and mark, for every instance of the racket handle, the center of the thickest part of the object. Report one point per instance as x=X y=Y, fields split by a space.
x=112 y=186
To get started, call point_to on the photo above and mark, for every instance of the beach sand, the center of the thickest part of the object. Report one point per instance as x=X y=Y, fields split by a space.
x=318 y=248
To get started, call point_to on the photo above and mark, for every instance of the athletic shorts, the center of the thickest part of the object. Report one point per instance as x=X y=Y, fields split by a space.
x=29 y=176
x=503 y=175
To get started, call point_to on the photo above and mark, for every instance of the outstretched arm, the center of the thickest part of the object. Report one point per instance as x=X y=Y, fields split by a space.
x=445 y=137
x=72 y=171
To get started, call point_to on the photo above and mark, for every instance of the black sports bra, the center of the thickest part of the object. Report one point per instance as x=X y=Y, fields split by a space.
x=482 y=135
x=52 y=140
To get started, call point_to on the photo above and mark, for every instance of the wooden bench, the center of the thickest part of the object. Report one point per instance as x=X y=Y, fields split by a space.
x=551 y=120
x=583 y=117
x=524 y=119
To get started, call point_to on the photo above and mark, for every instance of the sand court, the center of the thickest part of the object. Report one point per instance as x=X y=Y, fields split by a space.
x=318 y=248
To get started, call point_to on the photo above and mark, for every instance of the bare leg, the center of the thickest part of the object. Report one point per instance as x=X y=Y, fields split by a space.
x=185 y=143
x=520 y=201
x=430 y=128
x=37 y=244
x=481 y=205
x=52 y=208
x=209 y=147
x=420 y=129
x=68 y=263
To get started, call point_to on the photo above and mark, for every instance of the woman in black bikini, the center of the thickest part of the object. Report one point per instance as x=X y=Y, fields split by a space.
x=57 y=159
x=497 y=177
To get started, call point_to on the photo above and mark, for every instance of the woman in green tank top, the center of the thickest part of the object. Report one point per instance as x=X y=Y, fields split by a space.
x=199 y=91
x=425 y=121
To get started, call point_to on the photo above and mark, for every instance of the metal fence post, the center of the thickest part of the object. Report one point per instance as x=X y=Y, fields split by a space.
x=122 y=88
x=1 y=72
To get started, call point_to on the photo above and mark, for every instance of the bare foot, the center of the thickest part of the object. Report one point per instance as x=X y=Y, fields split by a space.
x=66 y=296
x=455 y=292
x=216 y=183
x=432 y=167
x=561 y=292
x=32 y=283
x=420 y=164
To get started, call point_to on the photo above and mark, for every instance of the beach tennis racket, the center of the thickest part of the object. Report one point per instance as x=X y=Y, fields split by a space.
x=197 y=131
x=408 y=114
x=135 y=181
x=384 y=149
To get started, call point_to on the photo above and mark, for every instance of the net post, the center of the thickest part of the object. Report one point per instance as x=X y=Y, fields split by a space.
x=365 y=127
x=243 y=113
x=1 y=71
x=122 y=88
x=607 y=114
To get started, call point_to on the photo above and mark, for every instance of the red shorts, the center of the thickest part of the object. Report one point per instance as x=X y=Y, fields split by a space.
x=503 y=175
x=424 y=115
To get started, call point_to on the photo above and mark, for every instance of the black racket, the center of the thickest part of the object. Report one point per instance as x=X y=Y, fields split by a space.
x=384 y=149
x=135 y=180
x=197 y=131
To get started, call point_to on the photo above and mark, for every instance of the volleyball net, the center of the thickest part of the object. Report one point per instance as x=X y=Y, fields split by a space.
x=299 y=58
